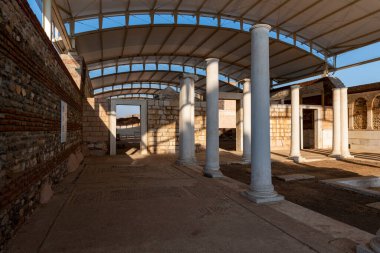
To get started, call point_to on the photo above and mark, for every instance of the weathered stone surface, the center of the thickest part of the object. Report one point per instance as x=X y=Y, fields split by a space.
x=46 y=193
x=294 y=177
x=72 y=163
x=374 y=205
x=33 y=80
x=163 y=126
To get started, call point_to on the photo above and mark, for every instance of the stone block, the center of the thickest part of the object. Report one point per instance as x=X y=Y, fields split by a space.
x=46 y=192
x=294 y=177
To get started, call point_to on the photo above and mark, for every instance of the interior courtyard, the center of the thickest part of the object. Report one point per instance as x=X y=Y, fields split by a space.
x=188 y=126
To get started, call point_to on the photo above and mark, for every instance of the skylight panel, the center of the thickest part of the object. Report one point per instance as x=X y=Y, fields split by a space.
x=86 y=25
x=229 y=23
x=137 y=67
x=150 y=66
x=189 y=69
x=123 y=69
x=139 y=19
x=163 y=66
x=109 y=71
x=97 y=91
x=113 y=21
x=163 y=19
x=175 y=67
x=207 y=20
x=185 y=19
x=95 y=73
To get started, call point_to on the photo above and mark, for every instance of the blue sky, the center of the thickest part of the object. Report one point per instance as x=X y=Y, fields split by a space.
x=124 y=111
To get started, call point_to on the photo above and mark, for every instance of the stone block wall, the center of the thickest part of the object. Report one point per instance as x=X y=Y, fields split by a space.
x=33 y=82
x=227 y=114
x=368 y=138
x=163 y=126
x=280 y=126
x=96 y=134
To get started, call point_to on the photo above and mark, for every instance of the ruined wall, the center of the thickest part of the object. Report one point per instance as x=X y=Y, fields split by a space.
x=280 y=126
x=163 y=126
x=33 y=81
x=227 y=114
x=367 y=137
x=96 y=134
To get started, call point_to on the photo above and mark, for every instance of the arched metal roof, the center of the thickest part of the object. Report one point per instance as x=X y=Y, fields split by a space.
x=169 y=77
x=191 y=45
x=305 y=33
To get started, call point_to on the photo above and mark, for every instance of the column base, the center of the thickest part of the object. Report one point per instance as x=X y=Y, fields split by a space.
x=263 y=197
x=334 y=155
x=349 y=156
x=186 y=162
x=213 y=173
x=297 y=159
x=245 y=161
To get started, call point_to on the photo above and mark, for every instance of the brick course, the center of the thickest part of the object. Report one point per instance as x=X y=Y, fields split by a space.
x=33 y=81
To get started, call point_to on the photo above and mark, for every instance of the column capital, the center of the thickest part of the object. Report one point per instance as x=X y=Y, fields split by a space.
x=257 y=26
x=246 y=80
x=187 y=75
x=295 y=87
x=211 y=60
x=344 y=88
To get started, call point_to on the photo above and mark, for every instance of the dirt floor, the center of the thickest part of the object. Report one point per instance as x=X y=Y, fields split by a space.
x=345 y=206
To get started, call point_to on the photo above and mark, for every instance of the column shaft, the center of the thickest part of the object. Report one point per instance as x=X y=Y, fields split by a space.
x=344 y=123
x=295 y=152
x=186 y=120
x=47 y=17
x=261 y=188
x=336 y=124
x=247 y=121
x=212 y=119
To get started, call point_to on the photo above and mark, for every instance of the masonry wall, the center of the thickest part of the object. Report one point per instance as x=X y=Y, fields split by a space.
x=163 y=126
x=33 y=82
x=280 y=126
x=96 y=134
x=368 y=139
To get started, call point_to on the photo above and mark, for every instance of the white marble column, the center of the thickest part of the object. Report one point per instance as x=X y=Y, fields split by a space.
x=186 y=120
x=239 y=125
x=295 y=150
x=212 y=119
x=336 y=124
x=261 y=188
x=47 y=17
x=345 y=152
x=247 y=121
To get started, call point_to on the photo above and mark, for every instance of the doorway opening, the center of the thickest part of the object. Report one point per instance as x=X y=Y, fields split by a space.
x=227 y=125
x=308 y=130
x=128 y=129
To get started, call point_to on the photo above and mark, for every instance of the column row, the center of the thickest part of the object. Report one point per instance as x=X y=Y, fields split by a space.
x=340 y=124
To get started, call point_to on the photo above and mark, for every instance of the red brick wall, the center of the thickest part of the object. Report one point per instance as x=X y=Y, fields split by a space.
x=33 y=81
